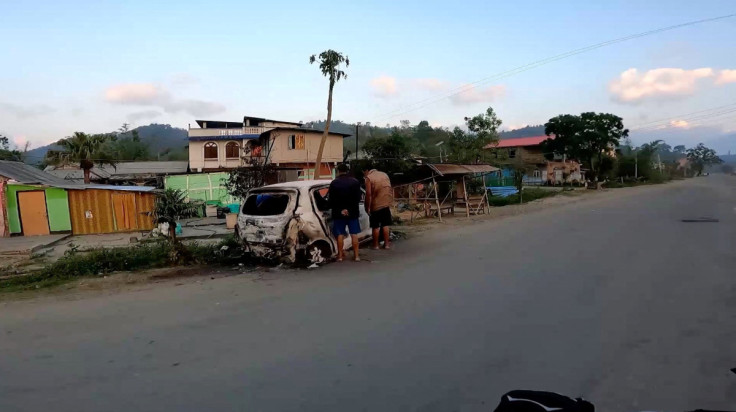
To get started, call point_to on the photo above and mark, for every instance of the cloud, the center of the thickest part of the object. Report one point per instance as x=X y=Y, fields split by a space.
x=143 y=115
x=510 y=127
x=431 y=84
x=183 y=79
x=384 y=86
x=136 y=94
x=20 y=140
x=726 y=76
x=148 y=94
x=472 y=95
x=681 y=124
x=194 y=107
x=633 y=87
x=25 y=112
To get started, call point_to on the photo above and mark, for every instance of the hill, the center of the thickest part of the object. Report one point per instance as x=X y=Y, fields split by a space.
x=527 y=131
x=163 y=140
x=728 y=159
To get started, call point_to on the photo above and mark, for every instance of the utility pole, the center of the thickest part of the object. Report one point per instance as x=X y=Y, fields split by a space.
x=439 y=145
x=636 y=165
x=357 y=125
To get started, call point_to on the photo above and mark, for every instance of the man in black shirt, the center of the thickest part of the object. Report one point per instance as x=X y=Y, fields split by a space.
x=344 y=197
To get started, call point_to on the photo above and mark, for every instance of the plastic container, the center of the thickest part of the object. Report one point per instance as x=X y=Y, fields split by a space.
x=231 y=219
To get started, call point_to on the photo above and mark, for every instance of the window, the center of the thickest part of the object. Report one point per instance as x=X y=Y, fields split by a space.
x=232 y=150
x=210 y=151
x=320 y=199
x=512 y=153
x=266 y=204
x=537 y=173
x=296 y=142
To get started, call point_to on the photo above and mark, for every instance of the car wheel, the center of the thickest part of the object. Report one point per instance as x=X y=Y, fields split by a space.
x=318 y=252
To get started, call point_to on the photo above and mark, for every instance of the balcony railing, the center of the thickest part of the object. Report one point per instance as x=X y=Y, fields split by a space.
x=249 y=130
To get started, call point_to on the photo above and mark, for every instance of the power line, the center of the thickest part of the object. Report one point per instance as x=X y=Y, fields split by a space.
x=642 y=125
x=538 y=63
x=691 y=120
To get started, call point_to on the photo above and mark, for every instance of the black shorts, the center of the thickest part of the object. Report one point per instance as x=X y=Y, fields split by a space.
x=381 y=218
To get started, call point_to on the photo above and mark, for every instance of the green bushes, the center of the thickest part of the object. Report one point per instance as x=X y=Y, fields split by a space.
x=101 y=261
x=530 y=194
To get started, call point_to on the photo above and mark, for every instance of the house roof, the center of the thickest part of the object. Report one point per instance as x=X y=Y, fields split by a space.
x=25 y=174
x=304 y=129
x=219 y=124
x=124 y=170
x=519 y=142
x=444 y=169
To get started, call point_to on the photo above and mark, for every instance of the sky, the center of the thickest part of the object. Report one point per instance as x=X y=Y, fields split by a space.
x=93 y=65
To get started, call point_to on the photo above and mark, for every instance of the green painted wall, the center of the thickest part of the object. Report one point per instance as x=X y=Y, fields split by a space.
x=202 y=186
x=57 y=205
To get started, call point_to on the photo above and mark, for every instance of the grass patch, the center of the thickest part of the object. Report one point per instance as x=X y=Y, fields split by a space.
x=529 y=195
x=102 y=261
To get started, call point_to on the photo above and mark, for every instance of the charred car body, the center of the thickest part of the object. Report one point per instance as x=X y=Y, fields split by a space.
x=288 y=221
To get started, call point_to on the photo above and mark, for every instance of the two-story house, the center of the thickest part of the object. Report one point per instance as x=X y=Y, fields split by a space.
x=528 y=150
x=220 y=145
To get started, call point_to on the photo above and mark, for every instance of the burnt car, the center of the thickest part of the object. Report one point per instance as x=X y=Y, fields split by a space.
x=291 y=221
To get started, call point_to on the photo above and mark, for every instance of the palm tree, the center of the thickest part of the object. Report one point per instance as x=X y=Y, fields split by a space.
x=87 y=150
x=329 y=64
x=172 y=205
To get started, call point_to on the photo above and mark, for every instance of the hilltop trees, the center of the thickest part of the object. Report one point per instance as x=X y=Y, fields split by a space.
x=469 y=147
x=128 y=145
x=6 y=153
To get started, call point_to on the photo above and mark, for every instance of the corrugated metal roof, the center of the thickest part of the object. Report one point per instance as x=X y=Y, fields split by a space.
x=25 y=174
x=77 y=175
x=120 y=188
x=519 y=142
x=451 y=169
x=123 y=170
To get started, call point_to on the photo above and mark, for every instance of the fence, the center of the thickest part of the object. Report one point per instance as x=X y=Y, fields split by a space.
x=495 y=181
x=202 y=186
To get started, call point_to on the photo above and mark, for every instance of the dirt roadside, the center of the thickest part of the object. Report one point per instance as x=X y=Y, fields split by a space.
x=176 y=276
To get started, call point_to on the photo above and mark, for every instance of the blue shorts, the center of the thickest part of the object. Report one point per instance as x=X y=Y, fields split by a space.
x=339 y=225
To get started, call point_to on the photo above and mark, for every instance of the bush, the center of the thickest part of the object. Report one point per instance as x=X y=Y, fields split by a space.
x=529 y=196
x=101 y=261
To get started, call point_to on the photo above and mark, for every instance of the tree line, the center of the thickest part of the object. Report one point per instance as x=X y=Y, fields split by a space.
x=599 y=141
x=87 y=150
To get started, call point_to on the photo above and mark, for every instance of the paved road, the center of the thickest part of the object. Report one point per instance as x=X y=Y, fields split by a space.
x=614 y=299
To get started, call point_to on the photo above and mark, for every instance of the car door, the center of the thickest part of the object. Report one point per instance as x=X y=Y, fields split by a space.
x=323 y=213
x=365 y=224
x=322 y=209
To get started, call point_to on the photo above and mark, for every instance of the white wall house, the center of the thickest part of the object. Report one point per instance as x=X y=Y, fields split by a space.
x=221 y=145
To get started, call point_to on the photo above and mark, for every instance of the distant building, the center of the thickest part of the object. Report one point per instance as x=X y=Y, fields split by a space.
x=529 y=151
x=684 y=166
x=220 y=145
